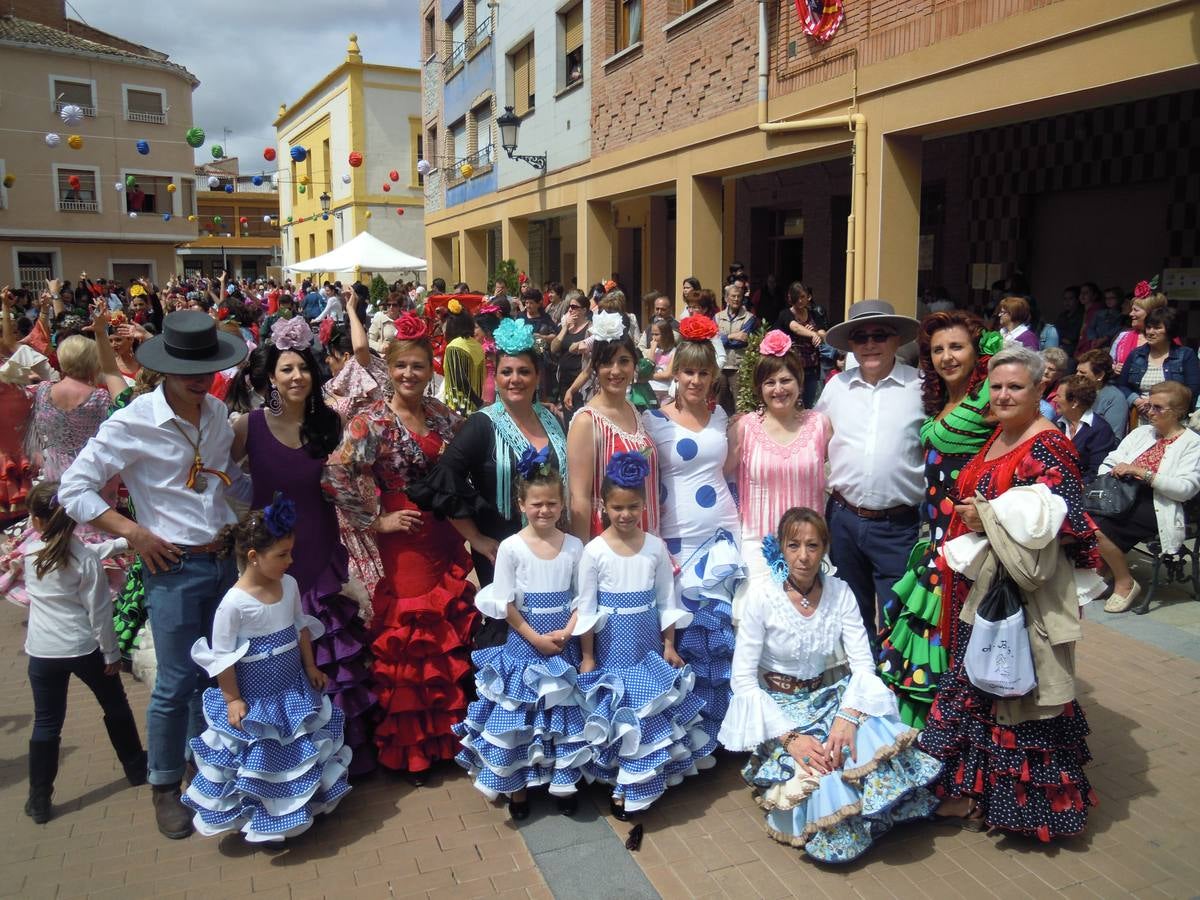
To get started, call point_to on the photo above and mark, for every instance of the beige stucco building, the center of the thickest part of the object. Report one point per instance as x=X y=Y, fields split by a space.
x=61 y=213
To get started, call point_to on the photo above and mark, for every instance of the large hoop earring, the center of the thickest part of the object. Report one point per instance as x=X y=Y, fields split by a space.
x=274 y=401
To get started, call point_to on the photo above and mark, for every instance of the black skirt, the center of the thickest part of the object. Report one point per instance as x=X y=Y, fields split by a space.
x=1136 y=526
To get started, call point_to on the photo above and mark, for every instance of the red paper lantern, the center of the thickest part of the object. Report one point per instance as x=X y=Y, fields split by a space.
x=73 y=181
x=243 y=220
x=400 y=210
x=269 y=154
x=386 y=187
x=394 y=175
x=355 y=159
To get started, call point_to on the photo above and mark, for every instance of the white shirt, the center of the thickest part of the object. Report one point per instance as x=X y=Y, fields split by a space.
x=142 y=444
x=875 y=458
x=382 y=331
x=333 y=310
x=70 y=609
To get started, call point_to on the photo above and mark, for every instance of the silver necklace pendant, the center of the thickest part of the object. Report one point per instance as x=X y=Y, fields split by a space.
x=200 y=483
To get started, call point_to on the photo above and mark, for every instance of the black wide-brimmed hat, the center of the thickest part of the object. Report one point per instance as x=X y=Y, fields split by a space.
x=871 y=312
x=191 y=345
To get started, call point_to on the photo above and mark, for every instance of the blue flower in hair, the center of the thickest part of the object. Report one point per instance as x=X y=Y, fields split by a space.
x=513 y=336
x=533 y=461
x=628 y=470
x=774 y=557
x=280 y=516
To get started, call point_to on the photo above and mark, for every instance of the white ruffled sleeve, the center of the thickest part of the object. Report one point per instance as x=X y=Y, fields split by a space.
x=492 y=600
x=301 y=621
x=752 y=717
x=224 y=650
x=585 y=597
x=866 y=692
x=670 y=610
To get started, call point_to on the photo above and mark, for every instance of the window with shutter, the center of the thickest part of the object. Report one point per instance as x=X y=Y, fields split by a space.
x=523 y=85
x=144 y=106
x=78 y=93
x=572 y=25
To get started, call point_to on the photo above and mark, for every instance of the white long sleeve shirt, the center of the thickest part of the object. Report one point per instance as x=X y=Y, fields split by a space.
x=70 y=609
x=143 y=445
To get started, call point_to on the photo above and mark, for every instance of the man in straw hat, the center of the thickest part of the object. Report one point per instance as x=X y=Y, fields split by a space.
x=875 y=462
x=171 y=449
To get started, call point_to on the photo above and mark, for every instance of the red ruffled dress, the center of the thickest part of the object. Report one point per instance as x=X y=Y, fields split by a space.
x=424 y=606
x=1028 y=777
x=16 y=471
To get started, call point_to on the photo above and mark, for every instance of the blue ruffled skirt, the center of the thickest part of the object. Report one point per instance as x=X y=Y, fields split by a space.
x=284 y=764
x=647 y=712
x=835 y=817
x=527 y=728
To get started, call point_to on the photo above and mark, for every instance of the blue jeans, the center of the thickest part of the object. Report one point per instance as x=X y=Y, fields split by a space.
x=870 y=556
x=181 y=602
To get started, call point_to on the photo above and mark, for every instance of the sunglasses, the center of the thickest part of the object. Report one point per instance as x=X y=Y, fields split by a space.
x=863 y=337
x=574 y=306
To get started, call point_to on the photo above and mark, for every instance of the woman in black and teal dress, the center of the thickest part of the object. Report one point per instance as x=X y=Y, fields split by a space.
x=954 y=355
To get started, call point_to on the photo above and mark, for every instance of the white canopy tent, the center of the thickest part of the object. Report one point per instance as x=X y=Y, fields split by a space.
x=362 y=252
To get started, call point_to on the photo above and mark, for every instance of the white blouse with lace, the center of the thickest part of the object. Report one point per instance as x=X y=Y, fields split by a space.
x=774 y=637
x=519 y=572
x=602 y=570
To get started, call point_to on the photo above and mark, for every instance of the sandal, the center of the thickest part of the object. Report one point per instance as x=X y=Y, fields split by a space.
x=972 y=821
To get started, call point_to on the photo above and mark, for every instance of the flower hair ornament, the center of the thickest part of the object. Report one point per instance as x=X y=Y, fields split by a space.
x=773 y=555
x=454 y=307
x=1145 y=288
x=410 y=328
x=490 y=309
x=534 y=462
x=280 y=516
x=325 y=332
x=291 y=334
x=990 y=342
x=608 y=326
x=513 y=336
x=628 y=470
x=698 y=328
x=775 y=343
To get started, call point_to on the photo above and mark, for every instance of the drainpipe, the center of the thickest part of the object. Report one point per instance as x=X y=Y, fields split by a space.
x=856 y=222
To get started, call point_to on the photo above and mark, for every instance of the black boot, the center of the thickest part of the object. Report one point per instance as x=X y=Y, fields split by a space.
x=123 y=733
x=43 y=769
x=173 y=818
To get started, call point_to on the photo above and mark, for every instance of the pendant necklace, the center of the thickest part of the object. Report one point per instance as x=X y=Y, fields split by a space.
x=196 y=480
x=805 y=603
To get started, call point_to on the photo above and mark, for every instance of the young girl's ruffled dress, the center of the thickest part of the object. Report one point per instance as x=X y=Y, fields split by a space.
x=527 y=728
x=648 y=710
x=286 y=762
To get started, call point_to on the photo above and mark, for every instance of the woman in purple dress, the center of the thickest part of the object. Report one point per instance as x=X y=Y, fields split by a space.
x=286 y=446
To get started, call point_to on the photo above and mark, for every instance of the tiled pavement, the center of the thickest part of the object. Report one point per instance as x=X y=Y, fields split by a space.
x=703 y=839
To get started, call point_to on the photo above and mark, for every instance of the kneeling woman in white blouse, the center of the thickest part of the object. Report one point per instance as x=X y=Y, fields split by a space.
x=833 y=765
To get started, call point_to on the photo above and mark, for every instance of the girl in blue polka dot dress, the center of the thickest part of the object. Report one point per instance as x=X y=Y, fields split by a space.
x=527 y=728
x=636 y=687
x=273 y=755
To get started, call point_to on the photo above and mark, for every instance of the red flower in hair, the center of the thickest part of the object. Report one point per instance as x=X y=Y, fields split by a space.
x=410 y=328
x=698 y=328
x=326 y=331
x=1142 y=290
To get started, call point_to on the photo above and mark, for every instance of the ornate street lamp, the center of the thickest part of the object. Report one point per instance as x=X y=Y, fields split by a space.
x=510 y=126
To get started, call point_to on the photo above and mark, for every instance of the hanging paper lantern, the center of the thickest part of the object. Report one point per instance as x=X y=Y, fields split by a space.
x=213 y=182
x=324 y=216
x=356 y=159
x=266 y=218
x=191 y=218
x=243 y=220
x=269 y=153
x=133 y=215
x=394 y=175
x=73 y=182
x=217 y=220
x=171 y=188
x=120 y=186
x=194 y=137
x=166 y=217
x=424 y=167
x=256 y=180
x=368 y=214
x=130 y=181
x=387 y=188
x=53 y=140
x=400 y=211
x=71 y=114
x=304 y=179
x=467 y=170
x=9 y=180
x=303 y=189
x=143 y=147
x=289 y=220
x=75 y=142
x=229 y=188
x=298 y=154
x=275 y=180
x=346 y=178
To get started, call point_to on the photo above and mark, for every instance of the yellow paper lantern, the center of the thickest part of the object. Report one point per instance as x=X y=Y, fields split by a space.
x=467 y=170
x=368 y=214
x=75 y=142
x=171 y=188
x=191 y=218
x=304 y=179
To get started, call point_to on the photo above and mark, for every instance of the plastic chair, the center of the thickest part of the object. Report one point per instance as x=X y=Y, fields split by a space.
x=1176 y=564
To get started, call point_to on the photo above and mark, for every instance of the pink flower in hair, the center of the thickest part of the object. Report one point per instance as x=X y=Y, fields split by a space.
x=775 y=343
x=292 y=334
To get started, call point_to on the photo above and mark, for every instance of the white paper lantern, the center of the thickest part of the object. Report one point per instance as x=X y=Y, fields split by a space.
x=71 y=114
x=120 y=186
x=213 y=182
x=53 y=140
x=266 y=218
x=424 y=167
x=346 y=178
x=133 y=215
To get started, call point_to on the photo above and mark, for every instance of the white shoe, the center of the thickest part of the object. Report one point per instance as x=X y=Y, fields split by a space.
x=1119 y=604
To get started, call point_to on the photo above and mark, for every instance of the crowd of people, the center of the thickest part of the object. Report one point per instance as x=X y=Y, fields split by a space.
x=540 y=539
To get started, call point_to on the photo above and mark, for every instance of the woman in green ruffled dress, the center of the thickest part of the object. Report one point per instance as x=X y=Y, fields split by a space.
x=954 y=354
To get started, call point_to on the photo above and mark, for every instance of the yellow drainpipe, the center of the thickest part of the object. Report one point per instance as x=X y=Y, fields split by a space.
x=856 y=222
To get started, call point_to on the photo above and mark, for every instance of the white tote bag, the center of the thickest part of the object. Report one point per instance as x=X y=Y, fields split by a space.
x=998 y=659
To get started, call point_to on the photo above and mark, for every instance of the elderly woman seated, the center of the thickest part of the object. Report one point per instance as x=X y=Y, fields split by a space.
x=833 y=765
x=1092 y=436
x=1164 y=459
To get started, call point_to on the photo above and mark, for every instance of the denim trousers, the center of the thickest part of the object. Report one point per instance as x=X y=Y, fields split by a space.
x=870 y=556
x=181 y=602
x=49 y=678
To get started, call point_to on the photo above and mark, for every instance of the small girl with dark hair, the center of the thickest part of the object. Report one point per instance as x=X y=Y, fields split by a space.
x=70 y=633
x=527 y=728
x=637 y=689
x=273 y=755
x=464 y=363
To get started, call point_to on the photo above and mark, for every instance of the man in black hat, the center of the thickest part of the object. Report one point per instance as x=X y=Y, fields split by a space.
x=876 y=473
x=171 y=449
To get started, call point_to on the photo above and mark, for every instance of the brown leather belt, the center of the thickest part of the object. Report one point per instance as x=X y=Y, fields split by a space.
x=790 y=684
x=890 y=513
x=210 y=547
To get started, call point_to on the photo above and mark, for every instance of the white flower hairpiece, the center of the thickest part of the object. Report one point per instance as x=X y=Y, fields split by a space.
x=608 y=326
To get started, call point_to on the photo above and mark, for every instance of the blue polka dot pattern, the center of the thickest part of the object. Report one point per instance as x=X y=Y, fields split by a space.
x=658 y=413
x=687 y=449
x=706 y=496
x=662 y=493
x=674 y=545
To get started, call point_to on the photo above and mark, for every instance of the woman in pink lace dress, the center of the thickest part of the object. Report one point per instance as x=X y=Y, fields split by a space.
x=776 y=453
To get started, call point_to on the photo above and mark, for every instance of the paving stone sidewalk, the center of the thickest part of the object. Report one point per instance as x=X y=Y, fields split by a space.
x=704 y=839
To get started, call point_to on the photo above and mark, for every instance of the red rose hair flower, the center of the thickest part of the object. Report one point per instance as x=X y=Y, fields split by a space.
x=410 y=328
x=326 y=331
x=698 y=328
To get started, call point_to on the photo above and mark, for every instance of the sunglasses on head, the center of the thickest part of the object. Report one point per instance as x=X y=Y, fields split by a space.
x=863 y=337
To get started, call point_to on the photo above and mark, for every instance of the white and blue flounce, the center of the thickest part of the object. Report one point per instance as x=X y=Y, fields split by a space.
x=215 y=662
x=285 y=762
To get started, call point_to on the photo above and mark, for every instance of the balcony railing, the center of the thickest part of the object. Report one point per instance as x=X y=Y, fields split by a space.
x=456 y=52
x=87 y=110
x=87 y=206
x=481 y=157
x=152 y=118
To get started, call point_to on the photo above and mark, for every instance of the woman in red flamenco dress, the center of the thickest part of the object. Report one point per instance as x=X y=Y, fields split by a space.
x=424 y=609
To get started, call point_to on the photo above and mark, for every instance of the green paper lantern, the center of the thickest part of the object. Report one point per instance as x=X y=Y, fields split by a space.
x=217 y=151
x=130 y=181
x=194 y=136
x=303 y=189
x=217 y=220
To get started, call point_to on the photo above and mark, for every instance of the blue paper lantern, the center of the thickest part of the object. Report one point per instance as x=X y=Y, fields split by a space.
x=229 y=188
x=324 y=215
x=166 y=217
x=299 y=154
x=256 y=180
x=143 y=147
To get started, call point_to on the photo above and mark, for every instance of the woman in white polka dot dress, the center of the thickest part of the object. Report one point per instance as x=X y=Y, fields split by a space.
x=698 y=520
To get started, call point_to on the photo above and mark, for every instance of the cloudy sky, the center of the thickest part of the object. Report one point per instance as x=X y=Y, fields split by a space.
x=251 y=55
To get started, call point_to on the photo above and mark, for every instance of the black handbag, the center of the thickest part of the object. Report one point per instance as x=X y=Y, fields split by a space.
x=1110 y=496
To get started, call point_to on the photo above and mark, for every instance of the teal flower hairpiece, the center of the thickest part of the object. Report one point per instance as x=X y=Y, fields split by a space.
x=513 y=336
x=774 y=557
